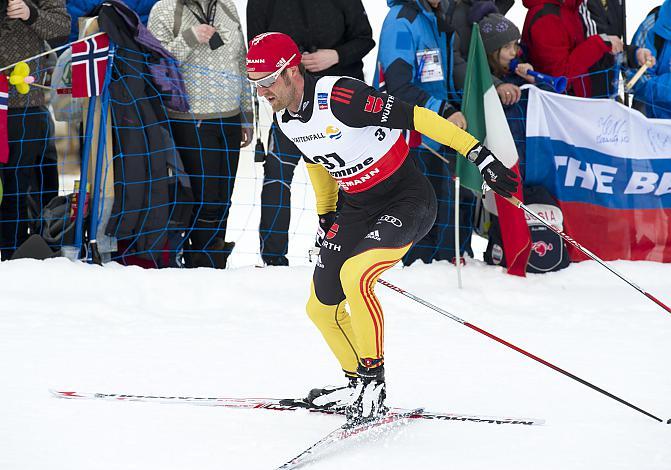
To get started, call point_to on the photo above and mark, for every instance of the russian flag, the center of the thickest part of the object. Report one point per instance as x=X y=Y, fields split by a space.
x=610 y=169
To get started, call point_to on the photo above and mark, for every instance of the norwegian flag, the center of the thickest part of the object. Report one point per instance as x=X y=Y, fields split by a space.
x=89 y=64
x=4 y=99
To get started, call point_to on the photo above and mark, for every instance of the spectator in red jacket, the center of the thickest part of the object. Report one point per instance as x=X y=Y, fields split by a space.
x=557 y=44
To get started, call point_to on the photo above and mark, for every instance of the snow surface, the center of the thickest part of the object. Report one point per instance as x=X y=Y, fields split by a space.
x=243 y=333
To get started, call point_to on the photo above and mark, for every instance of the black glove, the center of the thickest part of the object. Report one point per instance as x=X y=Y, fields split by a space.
x=325 y=223
x=501 y=179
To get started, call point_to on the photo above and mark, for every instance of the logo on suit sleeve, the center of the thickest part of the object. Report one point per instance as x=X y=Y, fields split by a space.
x=332 y=231
x=322 y=100
x=374 y=104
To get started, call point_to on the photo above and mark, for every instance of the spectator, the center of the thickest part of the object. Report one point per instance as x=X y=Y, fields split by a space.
x=653 y=90
x=558 y=45
x=608 y=15
x=500 y=38
x=78 y=8
x=207 y=39
x=333 y=37
x=420 y=63
x=467 y=12
x=24 y=28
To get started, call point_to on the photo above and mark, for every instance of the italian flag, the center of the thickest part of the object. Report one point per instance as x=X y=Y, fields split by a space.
x=487 y=123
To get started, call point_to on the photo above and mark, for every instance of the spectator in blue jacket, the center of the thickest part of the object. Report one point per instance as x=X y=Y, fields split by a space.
x=653 y=90
x=77 y=8
x=419 y=61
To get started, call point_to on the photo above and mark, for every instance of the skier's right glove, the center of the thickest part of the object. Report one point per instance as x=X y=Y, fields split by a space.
x=325 y=223
x=501 y=179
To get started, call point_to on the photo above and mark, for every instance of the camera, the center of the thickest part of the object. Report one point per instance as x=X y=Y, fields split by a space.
x=215 y=41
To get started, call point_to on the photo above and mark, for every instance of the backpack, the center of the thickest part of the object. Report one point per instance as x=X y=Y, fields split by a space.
x=548 y=250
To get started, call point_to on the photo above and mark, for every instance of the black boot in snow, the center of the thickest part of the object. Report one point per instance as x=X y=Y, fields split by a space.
x=369 y=396
x=332 y=397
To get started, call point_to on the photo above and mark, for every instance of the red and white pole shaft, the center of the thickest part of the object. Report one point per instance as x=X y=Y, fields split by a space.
x=518 y=349
x=516 y=202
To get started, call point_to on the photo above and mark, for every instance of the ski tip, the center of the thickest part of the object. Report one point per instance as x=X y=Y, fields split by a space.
x=668 y=421
x=63 y=394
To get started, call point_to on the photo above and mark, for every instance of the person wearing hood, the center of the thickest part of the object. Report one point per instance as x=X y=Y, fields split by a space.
x=419 y=61
x=77 y=8
x=557 y=45
x=653 y=90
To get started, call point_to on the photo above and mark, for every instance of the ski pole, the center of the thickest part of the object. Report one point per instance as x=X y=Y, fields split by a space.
x=516 y=202
x=519 y=350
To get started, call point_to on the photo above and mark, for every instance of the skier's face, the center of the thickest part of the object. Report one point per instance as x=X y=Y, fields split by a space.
x=281 y=93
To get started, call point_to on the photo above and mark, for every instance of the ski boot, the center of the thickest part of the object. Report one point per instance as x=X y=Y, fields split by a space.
x=369 y=395
x=331 y=397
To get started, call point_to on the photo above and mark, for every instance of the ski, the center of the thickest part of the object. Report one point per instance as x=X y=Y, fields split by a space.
x=386 y=422
x=283 y=405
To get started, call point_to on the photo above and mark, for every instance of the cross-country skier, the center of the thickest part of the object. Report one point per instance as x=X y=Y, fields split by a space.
x=351 y=138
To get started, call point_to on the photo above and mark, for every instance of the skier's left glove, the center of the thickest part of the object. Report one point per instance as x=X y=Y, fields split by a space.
x=501 y=179
x=325 y=223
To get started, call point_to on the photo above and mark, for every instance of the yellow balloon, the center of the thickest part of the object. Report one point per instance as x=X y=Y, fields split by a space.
x=15 y=79
x=23 y=88
x=21 y=69
x=18 y=76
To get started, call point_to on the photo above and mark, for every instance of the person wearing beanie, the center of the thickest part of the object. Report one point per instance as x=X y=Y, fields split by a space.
x=467 y=12
x=497 y=31
x=351 y=137
x=500 y=36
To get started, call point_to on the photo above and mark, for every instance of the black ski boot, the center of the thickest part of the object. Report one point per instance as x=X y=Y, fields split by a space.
x=332 y=397
x=369 y=395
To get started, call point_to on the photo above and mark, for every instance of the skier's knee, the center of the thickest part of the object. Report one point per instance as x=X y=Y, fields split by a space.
x=351 y=276
x=319 y=313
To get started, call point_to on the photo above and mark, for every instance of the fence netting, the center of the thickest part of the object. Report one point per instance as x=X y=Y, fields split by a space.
x=164 y=189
